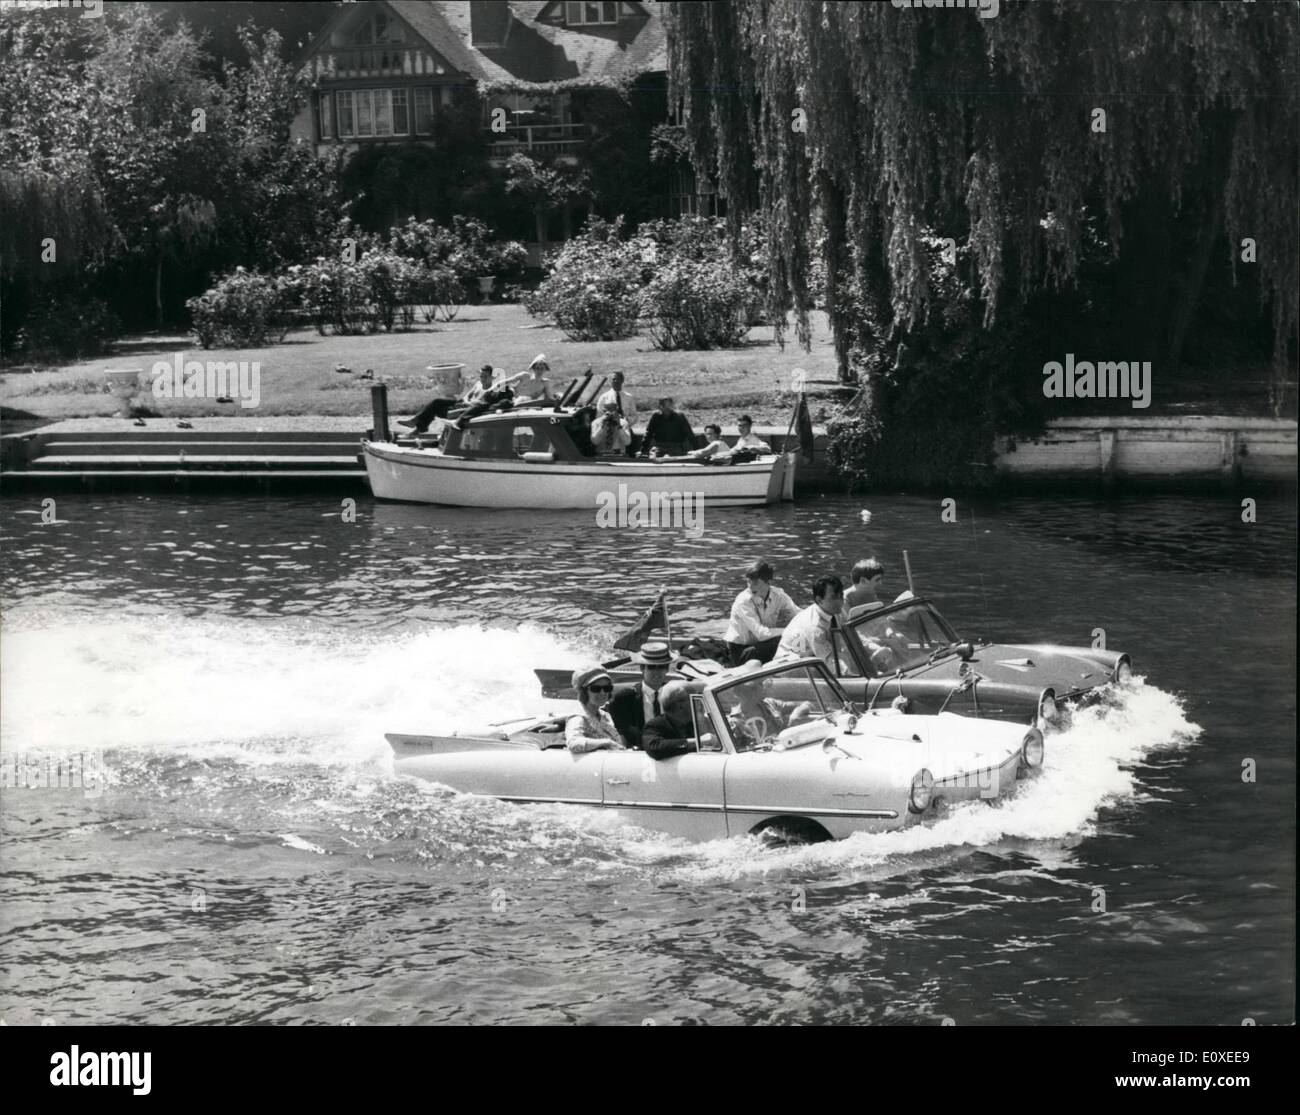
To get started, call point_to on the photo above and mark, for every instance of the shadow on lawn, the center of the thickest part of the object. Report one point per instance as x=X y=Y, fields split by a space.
x=757 y=343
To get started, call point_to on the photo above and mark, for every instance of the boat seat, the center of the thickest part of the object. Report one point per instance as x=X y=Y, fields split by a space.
x=694 y=669
x=548 y=735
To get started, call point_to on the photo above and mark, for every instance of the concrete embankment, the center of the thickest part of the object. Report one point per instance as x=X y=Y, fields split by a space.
x=276 y=452
x=1151 y=451
x=270 y=452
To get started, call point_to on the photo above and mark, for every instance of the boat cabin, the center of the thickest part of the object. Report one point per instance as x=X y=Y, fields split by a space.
x=540 y=436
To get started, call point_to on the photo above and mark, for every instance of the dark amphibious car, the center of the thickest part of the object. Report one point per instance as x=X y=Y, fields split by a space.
x=907 y=649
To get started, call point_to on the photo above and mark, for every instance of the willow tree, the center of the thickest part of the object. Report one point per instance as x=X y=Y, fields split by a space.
x=867 y=133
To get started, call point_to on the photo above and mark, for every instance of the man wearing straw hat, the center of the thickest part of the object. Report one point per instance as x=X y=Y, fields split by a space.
x=633 y=706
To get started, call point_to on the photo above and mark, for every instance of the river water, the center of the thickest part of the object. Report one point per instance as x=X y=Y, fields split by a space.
x=233 y=663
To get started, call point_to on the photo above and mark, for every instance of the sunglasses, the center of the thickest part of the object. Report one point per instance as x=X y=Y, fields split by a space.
x=600 y=689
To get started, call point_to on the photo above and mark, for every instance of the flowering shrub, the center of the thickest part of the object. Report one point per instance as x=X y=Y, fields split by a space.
x=696 y=296
x=395 y=284
x=679 y=278
x=694 y=303
x=337 y=295
x=439 y=294
x=453 y=258
x=591 y=292
x=243 y=310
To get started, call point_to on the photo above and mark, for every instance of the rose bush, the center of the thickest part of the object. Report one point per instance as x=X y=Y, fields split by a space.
x=453 y=258
x=677 y=278
x=591 y=291
x=244 y=309
x=695 y=304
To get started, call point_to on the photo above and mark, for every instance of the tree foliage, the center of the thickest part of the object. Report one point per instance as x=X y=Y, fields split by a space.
x=143 y=162
x=914 y=124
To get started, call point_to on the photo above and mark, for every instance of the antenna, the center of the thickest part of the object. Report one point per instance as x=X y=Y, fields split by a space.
x=975 y=545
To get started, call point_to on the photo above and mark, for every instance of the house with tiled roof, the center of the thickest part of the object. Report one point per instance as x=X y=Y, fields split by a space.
x=382 y=70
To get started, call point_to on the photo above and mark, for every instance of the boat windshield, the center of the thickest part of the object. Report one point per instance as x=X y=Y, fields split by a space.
x=758 y=709
x=903 y=639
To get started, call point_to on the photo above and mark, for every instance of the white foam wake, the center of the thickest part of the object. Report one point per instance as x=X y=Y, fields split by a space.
x=1088 y=768
x=204 y=687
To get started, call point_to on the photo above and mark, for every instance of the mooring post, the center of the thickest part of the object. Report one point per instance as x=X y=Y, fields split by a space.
x=1107 y=440
x=379 y=412
x=1230 y=465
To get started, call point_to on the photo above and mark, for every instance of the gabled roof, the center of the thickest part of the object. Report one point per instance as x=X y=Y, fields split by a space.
x=529 y=43
x=427 y=20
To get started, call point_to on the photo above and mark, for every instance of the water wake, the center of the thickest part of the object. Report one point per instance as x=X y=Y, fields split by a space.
x=1088 y=767
x=305 y=699
x=211 y=688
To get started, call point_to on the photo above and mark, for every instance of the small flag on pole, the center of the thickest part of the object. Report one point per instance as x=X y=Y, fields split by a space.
x=655 y=617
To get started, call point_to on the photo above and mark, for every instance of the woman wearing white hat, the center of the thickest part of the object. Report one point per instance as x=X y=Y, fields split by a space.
x=592 y=729
x=532 y=386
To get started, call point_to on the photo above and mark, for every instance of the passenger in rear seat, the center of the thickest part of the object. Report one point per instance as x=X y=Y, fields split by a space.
x=672 y=732
x=592 y=729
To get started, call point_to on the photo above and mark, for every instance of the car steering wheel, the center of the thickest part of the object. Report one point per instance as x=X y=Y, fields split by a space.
x=755 y=729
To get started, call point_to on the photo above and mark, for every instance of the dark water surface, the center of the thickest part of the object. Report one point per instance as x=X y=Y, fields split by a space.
x=235 y=662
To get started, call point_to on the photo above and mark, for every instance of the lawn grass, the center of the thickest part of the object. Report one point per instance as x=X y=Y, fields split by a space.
x=298 y=376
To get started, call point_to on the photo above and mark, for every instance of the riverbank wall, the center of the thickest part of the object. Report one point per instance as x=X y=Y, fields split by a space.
x=1085 y=453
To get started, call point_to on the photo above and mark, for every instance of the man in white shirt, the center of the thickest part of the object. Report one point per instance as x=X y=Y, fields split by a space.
x=439 y=408
x=610 y=433
x=758 y=616
x=868 y=577
x=808 y=635
x=623 y=402
x=748 y=439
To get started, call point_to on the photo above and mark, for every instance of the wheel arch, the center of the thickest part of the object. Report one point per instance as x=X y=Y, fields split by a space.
x=791 y=829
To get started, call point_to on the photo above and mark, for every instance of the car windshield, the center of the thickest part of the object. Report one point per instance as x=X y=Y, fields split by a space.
x=758 y=709
x=902 y=639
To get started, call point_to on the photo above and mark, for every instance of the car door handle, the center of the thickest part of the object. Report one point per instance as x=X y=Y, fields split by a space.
x=617 y=782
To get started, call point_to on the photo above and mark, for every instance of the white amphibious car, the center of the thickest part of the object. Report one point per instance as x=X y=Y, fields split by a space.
x=780 y=751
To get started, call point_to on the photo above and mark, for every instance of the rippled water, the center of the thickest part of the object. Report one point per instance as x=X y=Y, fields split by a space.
x=253 y=858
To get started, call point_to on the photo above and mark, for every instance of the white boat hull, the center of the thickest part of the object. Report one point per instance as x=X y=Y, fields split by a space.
x=427 y=476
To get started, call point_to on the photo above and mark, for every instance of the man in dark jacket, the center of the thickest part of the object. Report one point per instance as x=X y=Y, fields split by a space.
x=579 y=427
x=672 y=732
x=667 y=432
x=482 y=395
x=634 y=706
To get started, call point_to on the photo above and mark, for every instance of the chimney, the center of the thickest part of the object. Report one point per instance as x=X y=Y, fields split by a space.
x=488 y=20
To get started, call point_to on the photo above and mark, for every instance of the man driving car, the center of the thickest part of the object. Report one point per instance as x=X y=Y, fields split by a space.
x=757 y=717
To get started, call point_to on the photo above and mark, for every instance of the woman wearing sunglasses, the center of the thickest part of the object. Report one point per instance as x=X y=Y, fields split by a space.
x=592 y=728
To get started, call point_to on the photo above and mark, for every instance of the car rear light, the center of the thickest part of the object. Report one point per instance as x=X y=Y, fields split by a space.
x=918 y=798
x=1031 y=750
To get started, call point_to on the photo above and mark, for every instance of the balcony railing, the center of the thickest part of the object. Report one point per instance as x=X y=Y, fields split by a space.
x=374 y=61
x=542 y=139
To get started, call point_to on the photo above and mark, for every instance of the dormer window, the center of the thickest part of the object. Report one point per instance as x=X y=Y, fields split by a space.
x=590 y=13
